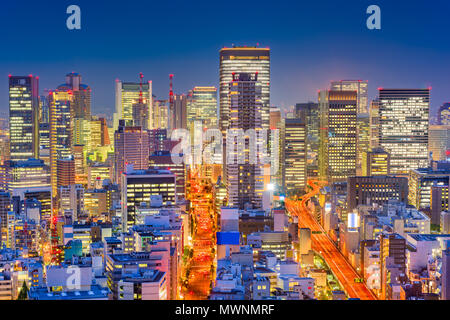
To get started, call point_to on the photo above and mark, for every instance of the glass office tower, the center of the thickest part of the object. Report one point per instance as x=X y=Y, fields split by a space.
x=24 y=117
x=244 y=60
x=404 y=127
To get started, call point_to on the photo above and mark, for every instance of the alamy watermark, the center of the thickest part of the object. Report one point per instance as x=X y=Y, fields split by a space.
x=374 y=20
x=252 y=146
x=73 y=22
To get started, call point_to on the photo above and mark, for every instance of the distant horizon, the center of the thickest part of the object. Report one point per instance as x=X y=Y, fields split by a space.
x=311 y=45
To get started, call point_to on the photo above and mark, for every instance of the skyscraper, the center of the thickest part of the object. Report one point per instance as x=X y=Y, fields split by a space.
x=138 y=185
x=178 y=116
x=60 y=131
x=244 y=178
x=404 y=127
x=309 y=113
x=160 y=114
x=24 y=117
x=360 y=86
x=294 y=174
x=338 y=135
x=81 y=104
x=244 y=60
x=131 y=147
x=363 y=144
x=439 y=142
x=65 y=172
x=5 y=207
x=374 y=119
x=202 y=106
x=127 y=94
x=444 y=114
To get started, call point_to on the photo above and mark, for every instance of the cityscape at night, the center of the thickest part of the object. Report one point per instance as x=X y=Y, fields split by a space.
x=189 y=151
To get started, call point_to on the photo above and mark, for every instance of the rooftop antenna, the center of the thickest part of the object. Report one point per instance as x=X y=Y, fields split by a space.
x=141 y=77
x=171 y=88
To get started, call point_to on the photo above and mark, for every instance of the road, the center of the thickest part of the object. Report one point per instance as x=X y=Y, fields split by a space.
x=201 y=265
x=322 y=244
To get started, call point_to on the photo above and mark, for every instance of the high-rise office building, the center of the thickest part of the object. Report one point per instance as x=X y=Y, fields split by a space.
x=178 y=116
x=420 y=182
x=244 y=177
x=361 y=88
x=309 y=113
x=24 y=117
x=157 y=139
x=376 y=162
x=127 y=95
x=439 y=142
x=81 y=104
x=60 y=131
x=160 y=114
x=275 y=118
x=363 y=144
x=338 y=135
x=444 y=114
x=404 y=127
x=276 y=147
x=244 y=60
x=138 y=185
x=141 y=115
x=71 y=199
x=294 y=155
x=202 y=107
x=44 y=142
x=374 y=119
x=162 y=160
x=29 y=173
x=375 y=190
x=65 y=172
x=80 y=164
x=5 y=207
x=131 y=147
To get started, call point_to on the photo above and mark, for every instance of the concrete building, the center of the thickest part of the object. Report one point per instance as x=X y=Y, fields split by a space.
x=138 y=185
x=131 y=147
x=404 y=127
x=375 y=189
x=244 y=160
x=237 y=60
x=338 y=141
x=295 y=154
x=24 y=117
x=376 y=162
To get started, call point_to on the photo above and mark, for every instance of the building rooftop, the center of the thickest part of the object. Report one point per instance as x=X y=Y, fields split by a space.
x=96 y=292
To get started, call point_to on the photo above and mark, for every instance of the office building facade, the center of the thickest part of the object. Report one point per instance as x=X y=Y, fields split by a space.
x=404 y=127
x=244 y=60
x=24 y=117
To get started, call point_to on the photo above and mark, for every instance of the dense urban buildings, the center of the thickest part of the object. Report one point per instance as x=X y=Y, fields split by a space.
x=341 y=198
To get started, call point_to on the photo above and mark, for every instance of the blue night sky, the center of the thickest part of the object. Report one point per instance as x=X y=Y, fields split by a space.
x=312 y=43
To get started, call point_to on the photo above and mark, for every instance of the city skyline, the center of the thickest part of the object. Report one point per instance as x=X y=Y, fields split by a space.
x=305 y=54
x=148 y=157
